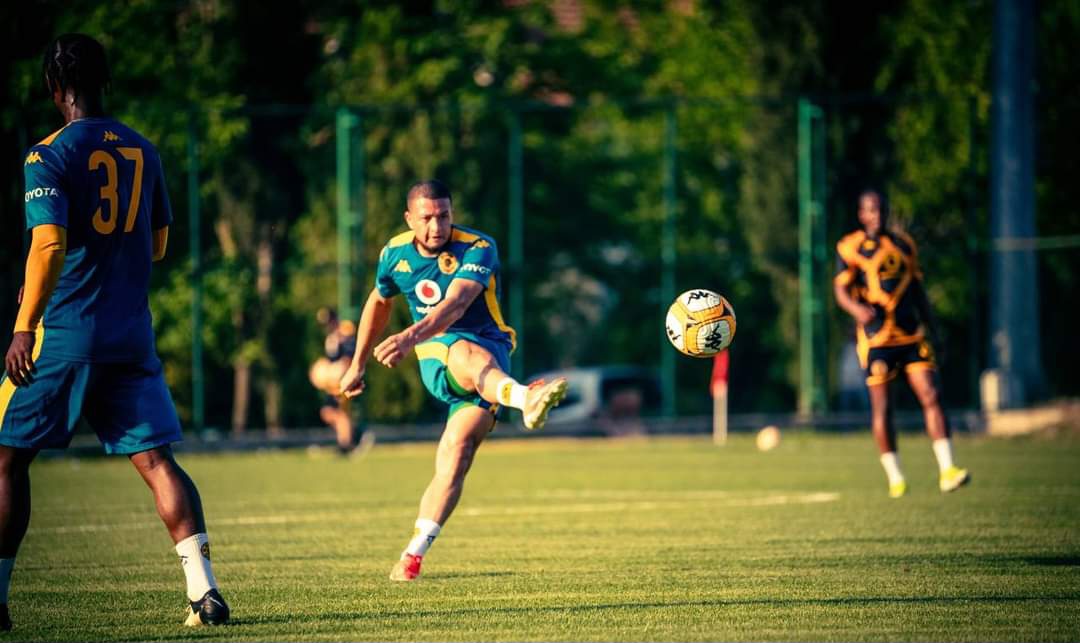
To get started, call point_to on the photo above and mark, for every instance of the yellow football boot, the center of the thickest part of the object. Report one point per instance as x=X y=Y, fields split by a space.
x=953 y=478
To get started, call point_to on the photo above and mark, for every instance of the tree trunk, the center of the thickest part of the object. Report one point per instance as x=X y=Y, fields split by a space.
x=270 y=376
x=241 y=395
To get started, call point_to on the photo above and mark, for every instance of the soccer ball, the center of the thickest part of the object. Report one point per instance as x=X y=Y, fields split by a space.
x=768 y=438
x=700 y=323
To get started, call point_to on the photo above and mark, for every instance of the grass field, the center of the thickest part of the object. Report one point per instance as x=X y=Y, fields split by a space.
x=664 y=539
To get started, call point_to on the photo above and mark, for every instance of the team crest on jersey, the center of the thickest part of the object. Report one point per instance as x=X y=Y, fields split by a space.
x=891 y=265
x=33 y=157
x=448 y=263
x=428 y=292
x=109 y=136
x=402 y=266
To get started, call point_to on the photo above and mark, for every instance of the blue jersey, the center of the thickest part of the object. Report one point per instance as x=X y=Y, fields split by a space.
x=424 y=280
x=103 y=182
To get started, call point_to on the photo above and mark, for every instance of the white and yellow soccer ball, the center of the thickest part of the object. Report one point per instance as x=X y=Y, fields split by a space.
x=700 y=323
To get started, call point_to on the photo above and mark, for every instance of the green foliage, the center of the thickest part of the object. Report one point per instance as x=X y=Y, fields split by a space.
x=434 y=86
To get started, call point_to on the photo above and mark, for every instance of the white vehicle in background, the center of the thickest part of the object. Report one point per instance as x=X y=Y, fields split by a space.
x=604 y=400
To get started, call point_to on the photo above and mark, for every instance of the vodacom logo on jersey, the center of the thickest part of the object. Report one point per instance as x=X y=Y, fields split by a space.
x=429 y=293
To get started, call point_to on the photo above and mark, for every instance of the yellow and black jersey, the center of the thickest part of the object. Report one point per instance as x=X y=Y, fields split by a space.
x=883 y=272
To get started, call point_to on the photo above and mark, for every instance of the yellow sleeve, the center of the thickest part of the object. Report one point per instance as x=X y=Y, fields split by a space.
x=48 y=247
x=161 y=240
x=848 y=254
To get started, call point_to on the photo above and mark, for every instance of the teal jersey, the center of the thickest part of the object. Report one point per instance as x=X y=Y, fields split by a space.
x=103 y=182
x=424 y=280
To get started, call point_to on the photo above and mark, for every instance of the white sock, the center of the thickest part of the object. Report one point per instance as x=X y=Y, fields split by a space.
x=424 y=534
x=6 y=565
x=512 y=394
x=943 y=451
x=891 y=462
x=194 y=552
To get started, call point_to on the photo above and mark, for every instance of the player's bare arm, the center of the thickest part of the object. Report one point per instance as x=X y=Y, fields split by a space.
x=459 y=297
x=161 y=241
x=48 y=248
x=373 y=321
x=862 y=313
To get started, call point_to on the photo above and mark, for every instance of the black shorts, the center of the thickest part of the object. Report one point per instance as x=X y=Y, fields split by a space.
x=881 y=364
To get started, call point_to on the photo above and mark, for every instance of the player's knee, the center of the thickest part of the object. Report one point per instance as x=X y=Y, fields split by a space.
x=928 y=394
x=456 y=456
x=153 y=462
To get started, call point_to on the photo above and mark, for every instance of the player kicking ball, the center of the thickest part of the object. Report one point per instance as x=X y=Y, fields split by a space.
x=450 y=278
x=83 y=345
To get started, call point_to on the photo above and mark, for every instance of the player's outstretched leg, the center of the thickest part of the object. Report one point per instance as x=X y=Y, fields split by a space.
x=464 y=432
x=475 y=369
x=14 y=516
x=180 y=508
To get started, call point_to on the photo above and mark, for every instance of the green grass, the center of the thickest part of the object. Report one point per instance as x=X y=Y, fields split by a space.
x=664 y=539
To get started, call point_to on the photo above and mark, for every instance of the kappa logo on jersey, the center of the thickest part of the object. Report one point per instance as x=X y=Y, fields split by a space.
x=402 y=266
x=475 y=267
x=481 y=244
x=448 y=263
x=109 y=136
x=33 y=157
x=40 y=192
x=428 y=292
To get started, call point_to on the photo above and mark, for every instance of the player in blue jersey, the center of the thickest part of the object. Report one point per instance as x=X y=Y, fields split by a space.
x=83 y=346
x=450 y=278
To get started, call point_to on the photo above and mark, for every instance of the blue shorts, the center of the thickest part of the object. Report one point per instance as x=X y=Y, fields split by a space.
x=127 y=405
x=437 y=378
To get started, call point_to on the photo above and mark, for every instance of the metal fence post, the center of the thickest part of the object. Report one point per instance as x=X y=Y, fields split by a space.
x=516 y=233
x=668 y=251
x=347 y=216
x=198 y=417
x=811 y=160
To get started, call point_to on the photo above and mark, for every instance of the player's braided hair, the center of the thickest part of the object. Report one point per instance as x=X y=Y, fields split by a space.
x=77 y=62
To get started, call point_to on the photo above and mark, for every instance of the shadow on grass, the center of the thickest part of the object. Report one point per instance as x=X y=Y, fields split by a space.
x=1048 y=561
x=456 y=575
x=337 y=617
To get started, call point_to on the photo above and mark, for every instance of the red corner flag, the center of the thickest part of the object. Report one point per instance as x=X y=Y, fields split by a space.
x=719 y=381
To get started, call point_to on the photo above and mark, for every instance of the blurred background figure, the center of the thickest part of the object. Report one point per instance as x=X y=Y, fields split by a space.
x=325 y=374
x=881 y=286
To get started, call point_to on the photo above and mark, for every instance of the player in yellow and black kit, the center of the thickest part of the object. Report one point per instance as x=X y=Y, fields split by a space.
x=880 y=286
